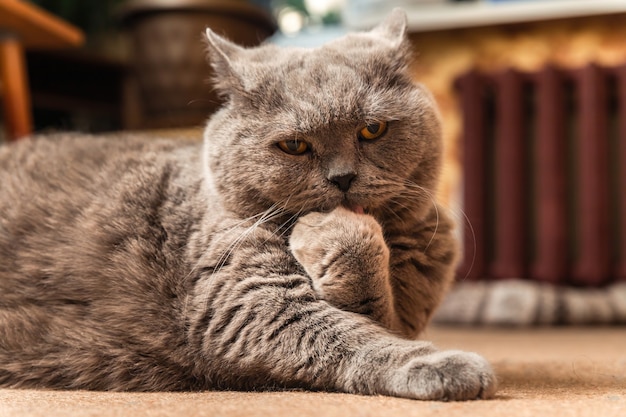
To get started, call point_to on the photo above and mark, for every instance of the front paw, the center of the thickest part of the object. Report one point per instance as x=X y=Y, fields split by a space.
x=324 y=242
x=347 y=259
x=445 y=375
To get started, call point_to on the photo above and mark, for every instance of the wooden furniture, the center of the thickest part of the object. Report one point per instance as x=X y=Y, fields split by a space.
x=77 y=89
x=23 y=25
x=169 y=70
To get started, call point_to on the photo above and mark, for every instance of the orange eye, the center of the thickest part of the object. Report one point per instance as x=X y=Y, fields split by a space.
x=373 y=131
x=293 y=146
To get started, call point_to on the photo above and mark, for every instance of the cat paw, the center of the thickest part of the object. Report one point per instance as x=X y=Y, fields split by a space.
x=445 y=376
x=346 y=257
x=340 y=238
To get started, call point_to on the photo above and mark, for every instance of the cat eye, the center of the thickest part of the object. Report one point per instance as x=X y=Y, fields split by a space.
x=293 y=146
x=373 y=131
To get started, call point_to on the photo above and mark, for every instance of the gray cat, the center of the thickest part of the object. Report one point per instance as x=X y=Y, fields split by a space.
x=300 y=247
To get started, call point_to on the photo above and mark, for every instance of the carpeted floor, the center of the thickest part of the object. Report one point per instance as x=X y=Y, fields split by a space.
x=543 y=372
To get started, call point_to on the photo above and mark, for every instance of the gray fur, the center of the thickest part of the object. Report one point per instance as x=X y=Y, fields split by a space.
x=134 y=264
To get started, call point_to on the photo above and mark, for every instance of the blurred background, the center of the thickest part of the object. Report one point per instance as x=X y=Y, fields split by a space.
x=142 y=62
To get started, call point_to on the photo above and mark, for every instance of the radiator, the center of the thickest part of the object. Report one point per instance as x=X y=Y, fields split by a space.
x=544 y=175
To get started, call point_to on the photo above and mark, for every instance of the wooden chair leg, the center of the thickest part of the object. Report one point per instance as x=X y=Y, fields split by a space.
x=15 y=92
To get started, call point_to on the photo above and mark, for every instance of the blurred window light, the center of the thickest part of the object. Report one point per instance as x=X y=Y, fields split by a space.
x=290 y=21
x=323 y=7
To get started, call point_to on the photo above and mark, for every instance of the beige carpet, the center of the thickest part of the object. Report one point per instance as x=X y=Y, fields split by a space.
x=543 y=372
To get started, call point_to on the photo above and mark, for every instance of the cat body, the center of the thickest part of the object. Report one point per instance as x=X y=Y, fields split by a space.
x=299 y=246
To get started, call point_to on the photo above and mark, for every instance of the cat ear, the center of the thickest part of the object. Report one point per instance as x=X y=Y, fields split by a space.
x=393 y=27
x=223 y=55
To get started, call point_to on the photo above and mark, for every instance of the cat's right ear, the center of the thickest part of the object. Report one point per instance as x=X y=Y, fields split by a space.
x=223 y=56
x=393 y=27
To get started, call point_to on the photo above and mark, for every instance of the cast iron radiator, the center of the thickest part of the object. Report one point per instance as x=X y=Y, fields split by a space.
x=544 y=175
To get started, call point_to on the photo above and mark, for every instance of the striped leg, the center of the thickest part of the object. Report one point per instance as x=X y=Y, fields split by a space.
x=255 y=324
x=271 y=332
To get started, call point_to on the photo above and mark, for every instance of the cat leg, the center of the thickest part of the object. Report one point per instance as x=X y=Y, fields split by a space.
x=410 y=369
x=347 y=259
x=255 y=322
x=271 y=331
x=423 y=259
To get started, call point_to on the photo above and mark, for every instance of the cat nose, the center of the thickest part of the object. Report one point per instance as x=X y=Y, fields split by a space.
x=343 y=181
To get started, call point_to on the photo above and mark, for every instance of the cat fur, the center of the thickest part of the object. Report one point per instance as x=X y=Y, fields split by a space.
x=141 y=264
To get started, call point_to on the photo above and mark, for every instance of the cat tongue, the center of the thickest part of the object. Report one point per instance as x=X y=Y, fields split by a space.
x=356 y=209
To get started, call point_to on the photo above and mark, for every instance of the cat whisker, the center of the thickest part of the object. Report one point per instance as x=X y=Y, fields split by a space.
x=461 y=218
x=424 y=191
x=222 y=259
x=282 y=227
x=264 y=217
x=290 y=220
x=402 y=199
x=244 y=221
x=436 y=227
x=420 y=190
x=392 y=212
x=224 y=230
x=471 y=229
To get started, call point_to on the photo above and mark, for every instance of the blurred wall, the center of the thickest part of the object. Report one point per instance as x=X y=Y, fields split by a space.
x=442 y=56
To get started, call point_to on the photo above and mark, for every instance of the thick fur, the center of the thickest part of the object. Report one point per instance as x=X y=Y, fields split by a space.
x=133 y=264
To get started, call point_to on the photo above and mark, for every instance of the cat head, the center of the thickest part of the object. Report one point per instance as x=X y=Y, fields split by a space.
x=311 y=129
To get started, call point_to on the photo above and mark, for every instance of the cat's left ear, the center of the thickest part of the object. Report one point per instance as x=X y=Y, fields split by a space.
x=223 y=56
x=394 y=27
